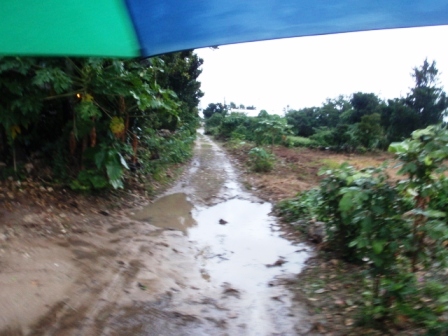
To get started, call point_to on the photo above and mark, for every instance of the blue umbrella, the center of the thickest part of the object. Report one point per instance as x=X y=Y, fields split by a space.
x=134 y=28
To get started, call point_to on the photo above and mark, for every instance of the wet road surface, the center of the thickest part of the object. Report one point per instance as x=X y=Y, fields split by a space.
x=238 y=250
x=206 y=258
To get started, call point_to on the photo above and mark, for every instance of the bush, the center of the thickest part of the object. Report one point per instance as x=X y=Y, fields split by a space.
x=260 y=160
x=323 y=137
x=160 y=151
x=303 y=206
x=399 y=230
x=212 y=124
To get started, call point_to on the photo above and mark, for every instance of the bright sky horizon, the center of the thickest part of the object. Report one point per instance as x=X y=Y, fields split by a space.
x=305 y=71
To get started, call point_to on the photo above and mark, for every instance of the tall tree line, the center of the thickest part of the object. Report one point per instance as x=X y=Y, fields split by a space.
x=364 y=120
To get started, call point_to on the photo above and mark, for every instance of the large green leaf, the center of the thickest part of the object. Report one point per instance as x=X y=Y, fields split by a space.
x=114 y=171
x=377 y=246
x=398 y=147
x=346 y=202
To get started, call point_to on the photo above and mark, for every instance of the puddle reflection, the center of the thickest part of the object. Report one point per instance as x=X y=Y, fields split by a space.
x=169 y=212
x=239 y=250
x=235 y=238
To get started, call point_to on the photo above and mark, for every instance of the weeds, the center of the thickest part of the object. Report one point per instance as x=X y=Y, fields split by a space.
x=261 y=160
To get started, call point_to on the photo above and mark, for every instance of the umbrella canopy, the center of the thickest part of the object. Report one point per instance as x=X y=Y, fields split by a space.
x=134 y=28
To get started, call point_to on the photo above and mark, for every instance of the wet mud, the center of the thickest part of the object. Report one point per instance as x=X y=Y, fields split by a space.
x=206 y=258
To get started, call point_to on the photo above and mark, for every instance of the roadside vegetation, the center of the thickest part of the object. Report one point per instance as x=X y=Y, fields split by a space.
x=356 y=124
x=93 y=123
x=381 y=230
x=396 y=231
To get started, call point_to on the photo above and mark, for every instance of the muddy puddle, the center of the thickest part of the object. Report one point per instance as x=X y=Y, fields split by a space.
x=238 y=249
x=206 y=258
x=169 y=212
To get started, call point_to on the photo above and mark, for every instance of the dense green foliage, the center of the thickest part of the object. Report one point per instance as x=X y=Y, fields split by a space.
x=213 y=109
x=263 y=130
x=360 y=123
x=364 y=122
x=398 y=229
x=91 y=119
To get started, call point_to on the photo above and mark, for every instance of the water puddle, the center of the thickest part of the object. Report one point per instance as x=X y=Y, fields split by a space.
x=236 y=243
x=236 y=240
x=239 y=250
x=168 y=212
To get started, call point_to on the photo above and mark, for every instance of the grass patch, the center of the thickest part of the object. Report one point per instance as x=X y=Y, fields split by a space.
x=298 y=141
x=330 y=163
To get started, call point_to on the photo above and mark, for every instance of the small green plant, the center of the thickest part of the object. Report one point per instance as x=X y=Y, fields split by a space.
x=108 y=170
x=340 y=229
x=261 y=160
x=158 y=152
x=235 y=144
x=88 y=180
x=303 y=206
x=235 y=135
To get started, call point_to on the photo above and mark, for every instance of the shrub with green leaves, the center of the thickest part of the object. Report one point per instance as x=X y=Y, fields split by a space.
x=270 y=130
x=397 y=229
x=303 y=206
x=90 y=115
x=263 y=130
x=261 y=160
x=212 y=124
x=371 y=215
x=423 y=159
x=439 y=201
x=158 y=152
x=340 y=230
x=108 y=169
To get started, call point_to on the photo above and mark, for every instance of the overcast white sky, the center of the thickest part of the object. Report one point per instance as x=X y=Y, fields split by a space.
x=303 y=72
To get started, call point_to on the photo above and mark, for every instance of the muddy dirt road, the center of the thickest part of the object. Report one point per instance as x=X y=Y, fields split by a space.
x=206 y=258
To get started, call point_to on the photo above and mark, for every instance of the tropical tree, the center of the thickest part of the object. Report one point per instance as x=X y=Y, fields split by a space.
x=180 y=73
x=263 y=114
x=303 y=121
x=271 y=129
x=368 y=132
x=362 y=104
x=329 y=115
x=213 y=108
x=427 y=99
x=88 y=114
x=398 y=119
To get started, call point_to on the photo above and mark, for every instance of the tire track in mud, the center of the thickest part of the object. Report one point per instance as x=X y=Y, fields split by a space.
x=97 y=279
x=136 y=278
x=225 y=307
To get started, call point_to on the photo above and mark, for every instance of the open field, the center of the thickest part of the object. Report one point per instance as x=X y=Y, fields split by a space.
x=296 y=169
